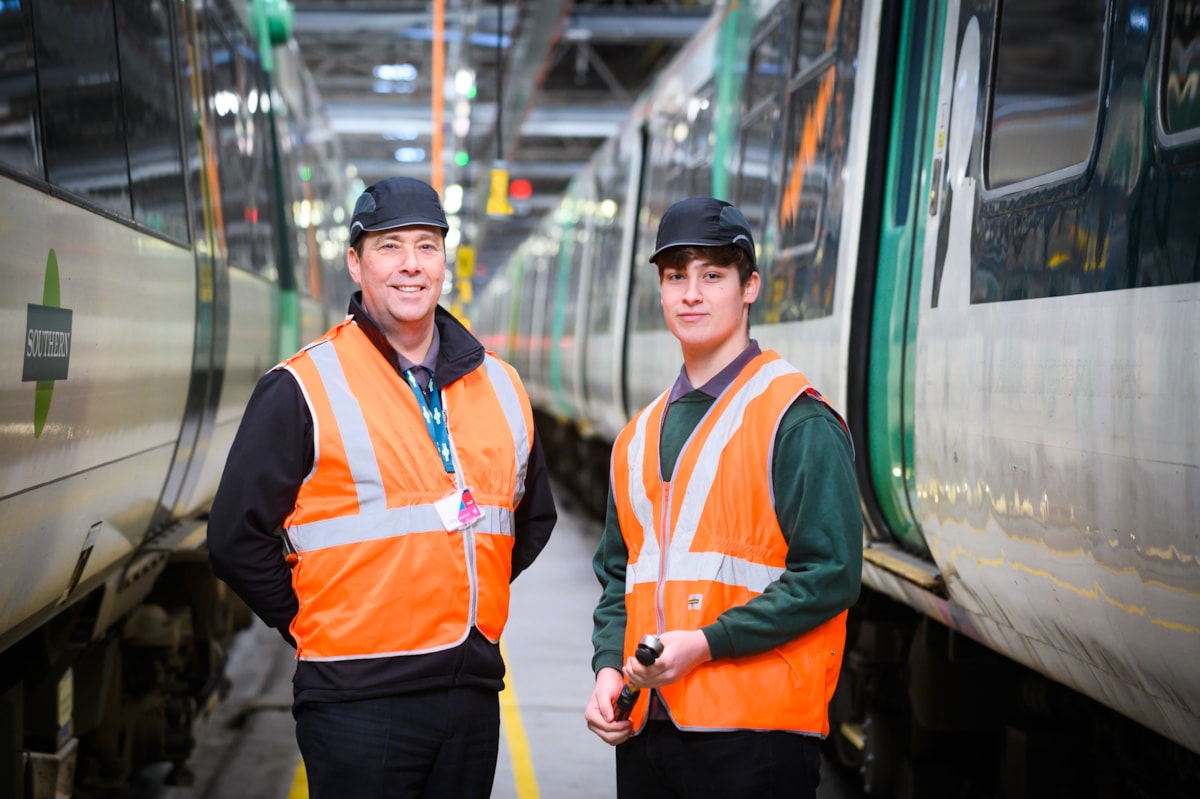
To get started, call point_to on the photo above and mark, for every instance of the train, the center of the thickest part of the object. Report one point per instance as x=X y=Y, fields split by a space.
x=174 y=222
x=977 y=230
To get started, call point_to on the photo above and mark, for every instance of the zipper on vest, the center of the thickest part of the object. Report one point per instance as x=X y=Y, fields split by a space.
x=472 y=577
x=663 y=543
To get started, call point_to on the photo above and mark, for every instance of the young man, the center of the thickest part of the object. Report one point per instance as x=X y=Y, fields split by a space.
x=401 y=461
x=734 y=534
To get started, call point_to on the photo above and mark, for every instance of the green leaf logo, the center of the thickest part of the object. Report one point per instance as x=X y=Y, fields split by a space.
x=47 y=345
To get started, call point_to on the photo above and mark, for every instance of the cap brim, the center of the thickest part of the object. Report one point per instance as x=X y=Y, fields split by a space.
x=407 y=221
x=692 y=243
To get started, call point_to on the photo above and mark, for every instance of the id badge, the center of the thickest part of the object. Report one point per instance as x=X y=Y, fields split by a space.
x=468 y=511
x=458 y=510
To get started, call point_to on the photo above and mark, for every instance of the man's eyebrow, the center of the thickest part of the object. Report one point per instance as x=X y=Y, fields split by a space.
x=396 y=233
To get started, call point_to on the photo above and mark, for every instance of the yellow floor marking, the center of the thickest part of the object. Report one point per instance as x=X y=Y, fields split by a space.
x=514 y=733
x=299 y=783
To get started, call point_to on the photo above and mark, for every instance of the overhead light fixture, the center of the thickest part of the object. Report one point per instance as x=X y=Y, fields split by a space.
x=404 y=72
x=410 y=155
x=452 y=203
x=464 y=81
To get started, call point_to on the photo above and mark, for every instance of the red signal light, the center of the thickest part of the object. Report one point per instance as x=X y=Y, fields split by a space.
x=520 y=189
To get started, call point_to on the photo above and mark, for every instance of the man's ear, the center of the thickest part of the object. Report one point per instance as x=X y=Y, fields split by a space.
x=354 y=266
x=750 y=290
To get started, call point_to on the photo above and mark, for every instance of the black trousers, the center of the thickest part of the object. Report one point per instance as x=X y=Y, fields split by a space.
x=666 y=763
x=427 y=745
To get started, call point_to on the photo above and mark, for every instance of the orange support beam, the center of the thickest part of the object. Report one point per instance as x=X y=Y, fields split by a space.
x=437 y=177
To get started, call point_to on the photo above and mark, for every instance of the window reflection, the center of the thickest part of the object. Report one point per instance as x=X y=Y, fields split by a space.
x=1181 y=73
x=81 y=102
x=1047 y=88
x=152 y=117
x=235 y=106
x=19 y=148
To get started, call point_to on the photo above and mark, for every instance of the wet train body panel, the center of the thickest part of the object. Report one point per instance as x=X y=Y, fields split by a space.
x=93 y=459
x=1056 y=461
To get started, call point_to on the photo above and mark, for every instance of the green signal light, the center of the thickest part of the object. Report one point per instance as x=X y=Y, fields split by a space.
x=461 y=158
x=305 y=173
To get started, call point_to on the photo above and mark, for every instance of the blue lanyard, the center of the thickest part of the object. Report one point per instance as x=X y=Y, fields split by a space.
x=435 y=417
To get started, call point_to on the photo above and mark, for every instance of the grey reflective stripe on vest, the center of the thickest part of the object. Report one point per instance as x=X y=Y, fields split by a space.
x=682 y=564
x=645 y=568
x=388 y=524
x=360 y=455
x=374 y=519
x=514 y=412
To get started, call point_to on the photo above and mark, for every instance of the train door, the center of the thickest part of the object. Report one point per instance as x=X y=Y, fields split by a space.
x=212 y=278
x=903 y=213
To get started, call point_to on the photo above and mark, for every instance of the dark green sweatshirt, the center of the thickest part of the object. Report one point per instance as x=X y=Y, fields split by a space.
x=816 y=502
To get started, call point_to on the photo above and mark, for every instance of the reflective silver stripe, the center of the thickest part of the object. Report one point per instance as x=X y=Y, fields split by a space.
x=316 y=424
x=701 y=481
x=682 y=564
x=360 y=455
x=514 y=412
x=645 y=569
x=721 y=568
x=390 y=523
x=397 y=653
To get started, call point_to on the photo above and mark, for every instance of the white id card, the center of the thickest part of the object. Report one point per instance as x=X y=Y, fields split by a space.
x=458 y=510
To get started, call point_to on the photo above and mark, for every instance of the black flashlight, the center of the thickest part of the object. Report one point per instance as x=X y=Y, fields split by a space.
x=647 y=652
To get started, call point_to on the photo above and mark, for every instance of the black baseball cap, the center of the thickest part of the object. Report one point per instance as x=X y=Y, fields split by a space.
x=703 y=222
x=396 y=202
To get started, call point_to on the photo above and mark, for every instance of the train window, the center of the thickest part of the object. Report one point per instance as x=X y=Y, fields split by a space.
x=754 y=170
x=645 y=308
x=263 y=197
x=80 y=91
x=760 y=114
x=766 y=63
x=672 y=159
x=316 y=252
x=809 y=115
x=240 y=139
x=230 y=128
x=573 y=247
x=19 y=149
x=152 y=117
x=700 y=141
x=1180 y=92
x=799 y=283
x=814 y=36
x=606 y=251
x=1046 y=88
x=528 y=276
x=605 y=257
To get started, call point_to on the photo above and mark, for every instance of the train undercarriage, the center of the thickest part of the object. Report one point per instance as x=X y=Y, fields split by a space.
x=116 y=681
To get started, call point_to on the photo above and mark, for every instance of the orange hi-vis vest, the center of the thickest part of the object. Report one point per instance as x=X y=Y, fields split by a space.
x=709 y=540
x=376 y=572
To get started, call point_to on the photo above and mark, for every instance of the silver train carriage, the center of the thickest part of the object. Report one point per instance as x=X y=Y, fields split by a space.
x=172 y=202
x=978 y=234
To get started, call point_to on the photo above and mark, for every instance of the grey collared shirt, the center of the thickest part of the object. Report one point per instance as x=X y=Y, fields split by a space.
x=428 y=362
x=713 y=388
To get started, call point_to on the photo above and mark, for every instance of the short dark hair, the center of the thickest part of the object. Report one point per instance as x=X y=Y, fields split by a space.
x=724 y=255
